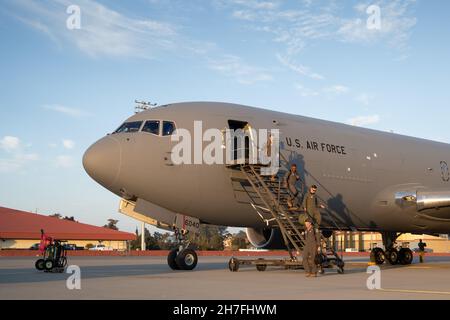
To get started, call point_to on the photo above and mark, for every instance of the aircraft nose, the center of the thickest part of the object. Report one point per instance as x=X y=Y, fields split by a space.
x=102 y=161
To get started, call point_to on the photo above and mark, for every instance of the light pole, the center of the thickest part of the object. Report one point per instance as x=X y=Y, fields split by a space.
x=143 y=236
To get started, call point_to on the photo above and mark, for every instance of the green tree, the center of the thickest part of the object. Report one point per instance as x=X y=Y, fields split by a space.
x=210 y=237
x=165 y=241
x=152 y=242
x=112 y=224
x=239 y=241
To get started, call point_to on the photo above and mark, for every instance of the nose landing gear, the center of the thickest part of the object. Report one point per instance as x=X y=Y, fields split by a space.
x=182 y=258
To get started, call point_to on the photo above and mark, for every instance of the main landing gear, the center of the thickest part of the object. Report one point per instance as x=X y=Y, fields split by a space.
x=392 y=255
x=182 y=258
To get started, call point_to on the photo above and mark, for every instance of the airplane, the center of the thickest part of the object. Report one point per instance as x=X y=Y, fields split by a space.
x=368 y=180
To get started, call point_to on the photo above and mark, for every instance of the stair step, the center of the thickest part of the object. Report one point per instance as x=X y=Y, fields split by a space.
x=275 y=194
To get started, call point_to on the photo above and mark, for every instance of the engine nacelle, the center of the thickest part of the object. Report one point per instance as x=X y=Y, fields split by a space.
x=265 y=238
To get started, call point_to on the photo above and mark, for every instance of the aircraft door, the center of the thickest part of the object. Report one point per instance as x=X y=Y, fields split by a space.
x=239 y=153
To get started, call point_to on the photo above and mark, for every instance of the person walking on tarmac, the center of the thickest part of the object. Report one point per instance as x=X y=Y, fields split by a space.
x=290 y=181
x=310 y=249
x=421 y=246
x=311 y=207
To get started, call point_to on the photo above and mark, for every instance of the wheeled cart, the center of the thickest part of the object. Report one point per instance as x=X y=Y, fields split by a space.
x=54 y=258
x=324 y=261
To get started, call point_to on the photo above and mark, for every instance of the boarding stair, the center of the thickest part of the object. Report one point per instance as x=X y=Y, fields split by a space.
x=270 y=200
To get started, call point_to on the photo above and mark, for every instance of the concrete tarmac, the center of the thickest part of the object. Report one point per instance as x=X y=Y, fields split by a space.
x=151 y=278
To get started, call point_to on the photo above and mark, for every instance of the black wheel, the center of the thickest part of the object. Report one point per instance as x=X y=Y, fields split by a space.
x=233 y=265
x=187 y=259
x=340 y=270
x=261 y=267
x=405 y=256
x=327 y=233
x=40 y=264
x=392 y=256
x=49 y=264
x=62 y=262
x=340 y=264
x=319 y=259
x=377 y=256
x=171 y=260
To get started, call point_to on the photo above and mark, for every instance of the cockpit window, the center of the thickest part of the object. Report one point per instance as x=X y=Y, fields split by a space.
x=151 y=126
x=168 y=128
x=129 y=127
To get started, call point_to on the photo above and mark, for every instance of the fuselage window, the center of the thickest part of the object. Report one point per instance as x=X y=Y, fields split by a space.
x=168 y=128
x=151 y=126
x=129 y=127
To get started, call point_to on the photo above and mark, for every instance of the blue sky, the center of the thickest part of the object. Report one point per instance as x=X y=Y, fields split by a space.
x=61 y=89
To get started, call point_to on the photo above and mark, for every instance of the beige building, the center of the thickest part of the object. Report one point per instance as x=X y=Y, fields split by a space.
x=366 y=241
x=21 y=230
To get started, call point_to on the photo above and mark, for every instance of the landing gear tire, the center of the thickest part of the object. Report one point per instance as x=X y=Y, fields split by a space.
x=261 y=267
x=340 y=266
x=405 y=256
x=327 y=233
x=40 y=264
x=49 y=264
x=233 y=265
x=187 y=259
x=171 y=260
x=392 y=256
x=377 y=256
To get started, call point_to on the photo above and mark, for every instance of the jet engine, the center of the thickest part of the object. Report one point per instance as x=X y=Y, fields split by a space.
x=267 y=238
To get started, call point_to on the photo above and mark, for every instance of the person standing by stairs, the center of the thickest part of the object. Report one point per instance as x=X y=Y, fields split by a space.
x=310 y=249
x=311 y=207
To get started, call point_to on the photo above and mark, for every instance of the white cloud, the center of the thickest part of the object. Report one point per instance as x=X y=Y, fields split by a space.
x=71 y=112
x=243 y=15
x=298 y=27
x=9 y=143
x=364 y=98
x=337 y=89
x=306 y=92
x=64 y=161
x=29 y=157
x=68 y=144
x=397 y=21
x=235 y=67
x=16 y=159
x=9 y=165
x=17 y=162
x=254 y=4
x=364 y=120
x=104 y=32
x=298 y=68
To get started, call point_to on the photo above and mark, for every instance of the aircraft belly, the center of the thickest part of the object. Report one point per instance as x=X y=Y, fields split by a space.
x=216 y=202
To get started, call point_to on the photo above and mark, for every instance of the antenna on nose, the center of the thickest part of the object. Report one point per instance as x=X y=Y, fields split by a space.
x=143 y=105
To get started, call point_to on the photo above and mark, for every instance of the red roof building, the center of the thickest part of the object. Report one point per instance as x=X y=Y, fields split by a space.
x=21 y=225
